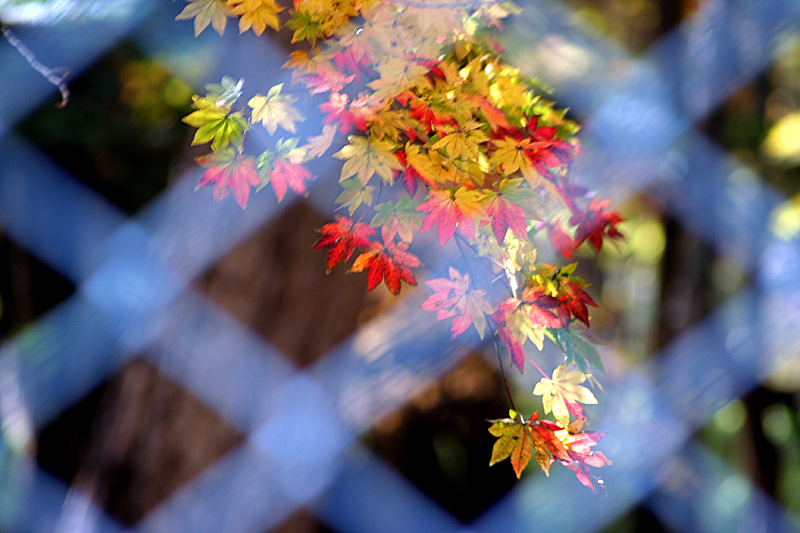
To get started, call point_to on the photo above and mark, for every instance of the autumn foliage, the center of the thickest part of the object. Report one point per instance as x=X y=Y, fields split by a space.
x=435 y=133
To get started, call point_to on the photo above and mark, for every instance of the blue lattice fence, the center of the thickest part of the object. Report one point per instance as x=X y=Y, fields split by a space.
x=133 y=276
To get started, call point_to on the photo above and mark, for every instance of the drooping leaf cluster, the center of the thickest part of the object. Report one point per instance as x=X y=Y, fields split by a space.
x=438 y=134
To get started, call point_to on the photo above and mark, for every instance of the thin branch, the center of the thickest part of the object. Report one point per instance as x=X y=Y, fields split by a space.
x=48 y=73
x=502 y=370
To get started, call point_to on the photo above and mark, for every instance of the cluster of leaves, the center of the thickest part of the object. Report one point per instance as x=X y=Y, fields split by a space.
x=519 y=440
x=438 y=133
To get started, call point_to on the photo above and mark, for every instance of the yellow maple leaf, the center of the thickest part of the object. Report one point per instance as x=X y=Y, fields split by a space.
x=537 y=180
x=275 y=109
x=563 y=387
x=509 y=156
x=462 y=141
x=205 y=12
x=367 y=156
x=256 y=14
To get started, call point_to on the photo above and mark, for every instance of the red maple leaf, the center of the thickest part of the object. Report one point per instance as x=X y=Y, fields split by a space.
x=581 y=456
x=561 y=241
x=575 y=299
x=288 y=174
x=342 y=238
x=546 y=151
x=326 y=79
x=337 y=110
x=598 y=224
x=505 y=213
x=390 y=263
x=354 y=57
x=507 y=333
x=428 y=116
x=409 y=175
x=452 y=298
x=449 y=209
x=229 y=171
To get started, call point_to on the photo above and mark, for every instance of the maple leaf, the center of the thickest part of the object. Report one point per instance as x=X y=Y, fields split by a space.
x=305 y=26
x=342 y=238
x=337 y=110
x=356 y=53
x=543 y=317
x=400 y=219
x=452 y=208
x=463 y=141
x=561 y=241
x=562 y=388
x=288 y=174
x=216 y=124
x=578 y=350
x=495 y=117
x=205 y=12
x=365 y=156
x=225 y=93
x=319 y=144
x=421 y=164
x=453 y=298
x=597 y=224
x=575 y=299
x=521 y=439
x=509 y=155
x=256 y=14
x=327 y=78
x=581 y=455
x=504 y=209
x=514 y=327
x=354 y=195
x=275 y=109
x=229 y=171
x=514 y=441
x=410 y=177
x=390 y=263
x=398 y=73
x=431 y=115
x=546 y=443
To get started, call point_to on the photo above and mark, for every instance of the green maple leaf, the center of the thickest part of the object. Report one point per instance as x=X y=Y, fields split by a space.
x=305 y=26
x=205 y=12
x=216 y=124
x=578 y=350
x=367 y=156
x=354 y=195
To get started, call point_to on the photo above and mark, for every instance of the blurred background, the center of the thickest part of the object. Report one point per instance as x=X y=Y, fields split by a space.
x=171 y=363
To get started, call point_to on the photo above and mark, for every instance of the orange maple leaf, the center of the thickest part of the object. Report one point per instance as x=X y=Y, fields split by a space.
x=342 y=238
x=390 y=263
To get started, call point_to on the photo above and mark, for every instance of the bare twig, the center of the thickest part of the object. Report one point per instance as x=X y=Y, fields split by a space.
x=48 y=73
